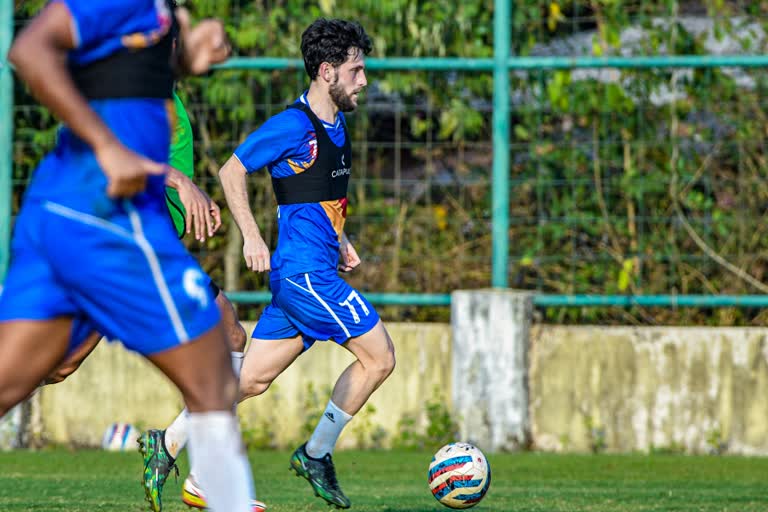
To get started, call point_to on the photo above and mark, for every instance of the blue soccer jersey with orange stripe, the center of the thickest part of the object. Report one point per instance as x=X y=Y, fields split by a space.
x=308 y=233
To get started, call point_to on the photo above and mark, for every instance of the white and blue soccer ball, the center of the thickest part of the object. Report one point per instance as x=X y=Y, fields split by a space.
x=459 y=475
x=120 y=437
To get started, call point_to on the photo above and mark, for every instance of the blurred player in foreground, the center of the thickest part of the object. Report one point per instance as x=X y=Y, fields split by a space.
x=93 y=242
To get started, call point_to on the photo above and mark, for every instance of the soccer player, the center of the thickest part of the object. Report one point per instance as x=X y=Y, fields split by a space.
x=183 y=200
x=93 y=242
x=308 y=153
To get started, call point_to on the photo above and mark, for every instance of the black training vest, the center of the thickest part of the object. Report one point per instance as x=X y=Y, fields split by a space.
x=328 y=176
x=130 y=73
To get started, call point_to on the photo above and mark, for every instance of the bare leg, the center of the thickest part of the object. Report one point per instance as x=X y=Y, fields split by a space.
x=176 y=434
x=74 y=360
x=375 y=362
x=264 y=361
x=202 y=371
x=232 y=327
x=29 y=350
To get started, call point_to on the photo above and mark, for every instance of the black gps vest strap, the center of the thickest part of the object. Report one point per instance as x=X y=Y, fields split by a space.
x=142 y=73
x=327 y=178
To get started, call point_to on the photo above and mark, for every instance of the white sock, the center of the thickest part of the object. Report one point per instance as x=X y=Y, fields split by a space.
x=237 y=362
x=176 y=435
x=222 y=469
x=327 y=432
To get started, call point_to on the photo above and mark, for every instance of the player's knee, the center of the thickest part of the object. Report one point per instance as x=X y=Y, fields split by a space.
x=384 y=366
x=219 y=396
x=56 y=377
x=238 y=337
x=60 y=374
x=253 y=386
x=231 y=389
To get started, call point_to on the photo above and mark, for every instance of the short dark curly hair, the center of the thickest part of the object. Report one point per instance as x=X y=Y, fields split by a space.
x=329 y=40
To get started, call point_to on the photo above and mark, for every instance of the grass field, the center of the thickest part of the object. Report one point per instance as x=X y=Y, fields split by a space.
x=390 y=481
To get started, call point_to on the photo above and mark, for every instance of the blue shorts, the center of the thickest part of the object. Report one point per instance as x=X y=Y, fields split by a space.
x=82 y=327
x=125 y=275
x=317 y=305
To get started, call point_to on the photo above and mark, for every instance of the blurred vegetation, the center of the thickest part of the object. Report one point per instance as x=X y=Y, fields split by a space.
x=623 y=181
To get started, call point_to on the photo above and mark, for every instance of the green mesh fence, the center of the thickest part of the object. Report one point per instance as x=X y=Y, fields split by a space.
x=623 y=181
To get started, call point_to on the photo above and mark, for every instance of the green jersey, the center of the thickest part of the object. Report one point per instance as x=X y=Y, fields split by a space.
x=181 y=158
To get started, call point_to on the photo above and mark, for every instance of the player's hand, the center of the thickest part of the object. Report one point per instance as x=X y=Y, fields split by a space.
x=349 y=257
x=204 y=45
x=256 y=254
x=125 y=170
x=203 y=214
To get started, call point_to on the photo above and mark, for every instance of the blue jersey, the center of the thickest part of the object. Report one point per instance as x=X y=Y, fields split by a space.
x=308 y=233
x=101 y=29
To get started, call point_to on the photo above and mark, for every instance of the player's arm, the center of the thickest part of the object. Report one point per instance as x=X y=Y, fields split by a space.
x=255 y=251
x=204 y=214
x=349 y=256
x=39 y=55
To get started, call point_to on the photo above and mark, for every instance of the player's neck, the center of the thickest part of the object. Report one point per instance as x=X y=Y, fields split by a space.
x=321 y=104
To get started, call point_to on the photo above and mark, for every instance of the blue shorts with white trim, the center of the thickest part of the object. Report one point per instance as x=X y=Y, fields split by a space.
x=318 y=306
x=126 y=274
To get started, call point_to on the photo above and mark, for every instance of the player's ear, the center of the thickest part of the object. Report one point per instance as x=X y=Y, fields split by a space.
x=327 y=72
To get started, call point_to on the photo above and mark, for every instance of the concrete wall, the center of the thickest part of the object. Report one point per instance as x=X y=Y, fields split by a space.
x=116 y=385
x=623 y=389
x=614 y=388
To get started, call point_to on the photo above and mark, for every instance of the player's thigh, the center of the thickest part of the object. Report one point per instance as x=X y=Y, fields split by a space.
x=29 y=350
x=202 y=370
x=275 y=344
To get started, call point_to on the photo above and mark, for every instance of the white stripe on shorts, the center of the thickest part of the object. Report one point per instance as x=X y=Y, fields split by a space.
x=138 y=237
x=157 y=273
x=320 y=299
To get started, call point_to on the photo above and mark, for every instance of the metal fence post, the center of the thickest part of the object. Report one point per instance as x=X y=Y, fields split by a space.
x=502 y=21
x=6 y=133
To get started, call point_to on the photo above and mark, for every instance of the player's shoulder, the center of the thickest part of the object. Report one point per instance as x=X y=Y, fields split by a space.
x=291 y=118
x=289 y=123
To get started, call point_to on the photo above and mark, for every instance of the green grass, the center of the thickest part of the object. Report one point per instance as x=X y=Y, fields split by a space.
x=390 y=481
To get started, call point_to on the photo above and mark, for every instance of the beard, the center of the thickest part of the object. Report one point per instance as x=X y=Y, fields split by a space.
x=342 y=100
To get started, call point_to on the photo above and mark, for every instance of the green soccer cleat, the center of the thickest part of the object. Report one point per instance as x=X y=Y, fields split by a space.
x=157 y=466
x=321 y=475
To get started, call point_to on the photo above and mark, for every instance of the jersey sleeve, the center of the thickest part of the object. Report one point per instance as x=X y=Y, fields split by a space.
x=279 y=138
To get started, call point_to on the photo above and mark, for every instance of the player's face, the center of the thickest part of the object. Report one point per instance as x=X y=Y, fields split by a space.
x=349 y=81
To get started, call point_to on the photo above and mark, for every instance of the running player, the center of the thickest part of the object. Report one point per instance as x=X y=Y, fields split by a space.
x=93 y=243
x=307 y=150
x=183 y=200
x=308 y=153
